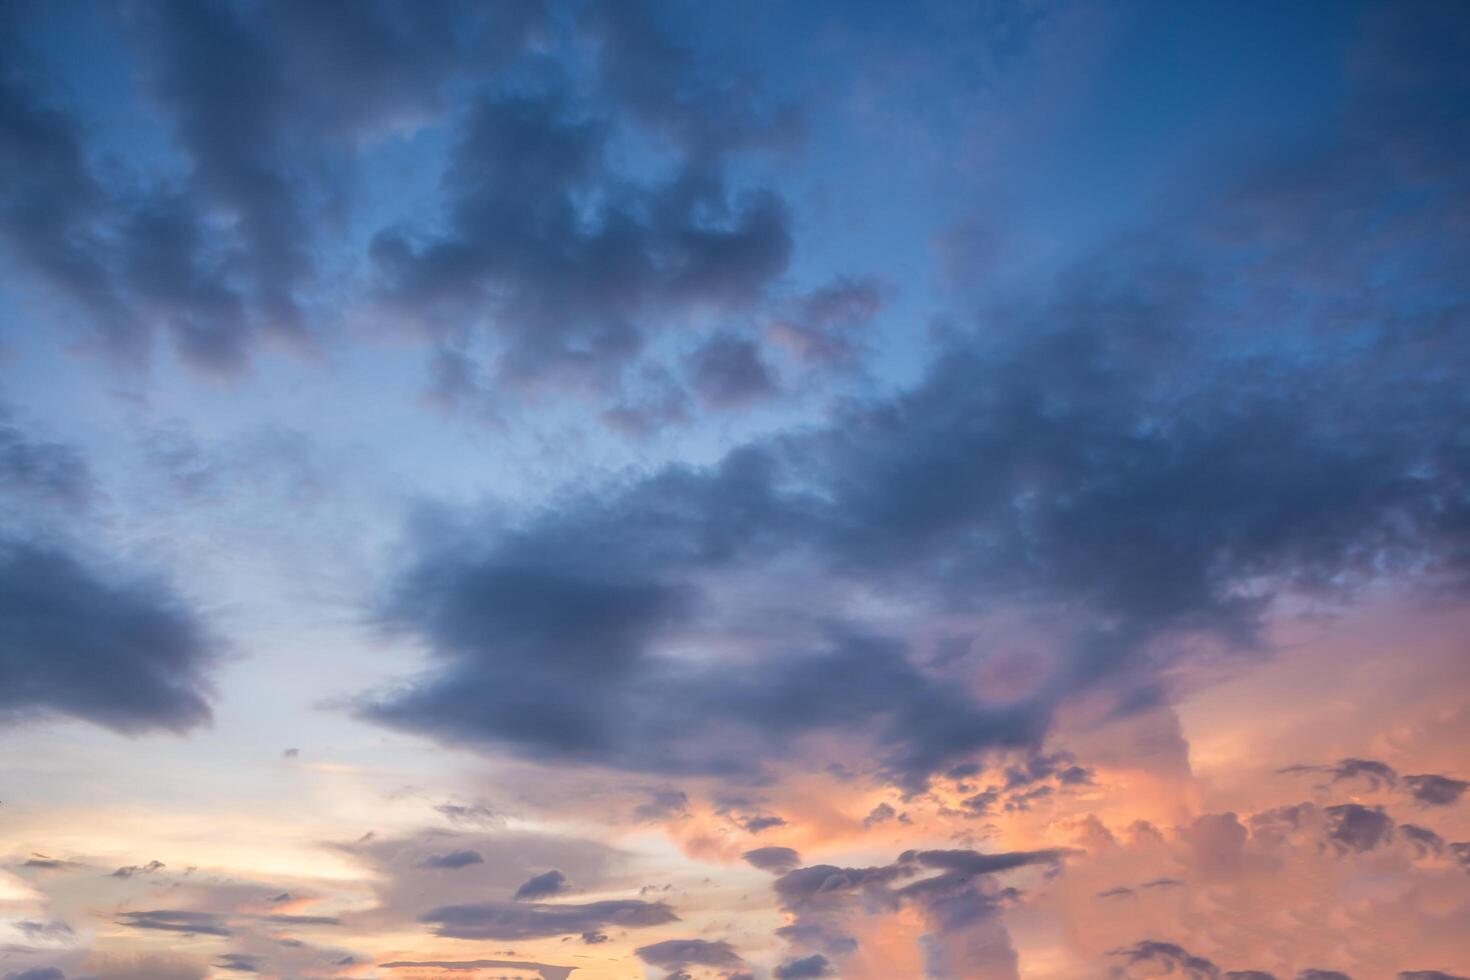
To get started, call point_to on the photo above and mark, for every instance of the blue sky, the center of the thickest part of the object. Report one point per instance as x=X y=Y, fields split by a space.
x=917 y=441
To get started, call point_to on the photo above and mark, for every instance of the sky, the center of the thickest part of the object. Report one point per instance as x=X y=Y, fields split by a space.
x=667 y=490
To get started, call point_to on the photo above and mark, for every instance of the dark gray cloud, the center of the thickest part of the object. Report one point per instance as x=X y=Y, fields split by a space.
x=804 y=968
x=38 y=973
x=241 y=963
x=264 y=103
x=44 y=930
x=547 y=971
x=566 y=262
x=42 y=470
x=303 y=920
x=269 y=105
x=1248 y=975
x=1427 y=788
x=675 y=954
x=959 y=905
x=130 y=870
x=728 y=371
x=882 y=813
x=666 y=84
x=114 y=649
x=775 y=859
x=561 y=289
x=1424 y=840
x=1171 y=957
x=1428 y=975
x=1354 y=827
x=1436 y=790
x=1122 y=459
x=1315 y=974
x=177 y=920
x=662 y=804
x=756 y=824
x=454 y=859
x=41 y=862
x=553 y=882
x=1376 y=774
x=530 y=920
x=1143 y=482
x=471 y=814
x=821 y=327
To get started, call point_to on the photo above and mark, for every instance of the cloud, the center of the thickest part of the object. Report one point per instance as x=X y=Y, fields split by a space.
x=304 y=920
x=117 y=650
x=547 y=971
x=562 y=259
x=1424 y=840
x=241 y=963
x=662 y=805
x=756 y=824
x=454 y=859
x=778 y=860
x=138 y=869
x=472 y=815
x=675 y=954
x=47 y=471
x=1429 y=789
x=728 y=372
x=804 y=968
x=821 y=327
x=881 y=813
x=540 y=886
x=39 y=973
x=1436 y=790
x=49 y=931
x=1173 y=958
x=148 y=967
x=176 y=920
x=959 y=905
x=1352 y=826
x=527 y=920
x=1377 y=774
x=268 y=110
x=1141 y=489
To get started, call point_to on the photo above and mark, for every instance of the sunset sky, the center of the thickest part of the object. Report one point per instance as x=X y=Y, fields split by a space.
x=747 y=490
